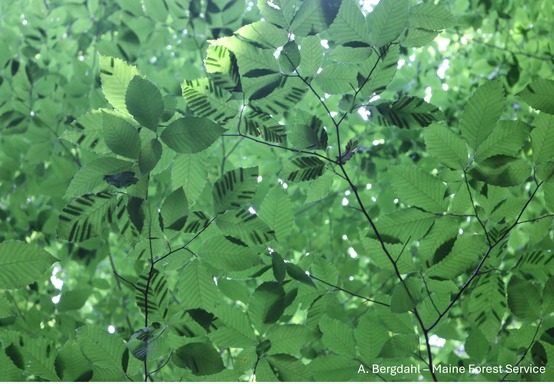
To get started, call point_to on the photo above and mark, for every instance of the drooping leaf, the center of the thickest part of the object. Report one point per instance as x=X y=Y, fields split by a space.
x=116 y=76
x=266 y=305
x=482 y=113
x=152 y=291
x=446 y=146
x=303 y=168
x=191 y=134
x=418 y=188
x=200 y=358
x=235 y=188
x=175 y=209
x=387 y=21
x=488 y=304
x=71 y=364
x=276 y=211
x=95 y=176
x=298 y=274
x=120 y=135
x=539 y=95
x=314 y=16
x=144 y=101
x=349 y=151
x=86 y=217
x=149 y=156
x=22 y=263
x=466 y=253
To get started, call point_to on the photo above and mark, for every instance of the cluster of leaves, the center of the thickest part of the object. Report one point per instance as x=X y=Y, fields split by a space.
x=186 y=240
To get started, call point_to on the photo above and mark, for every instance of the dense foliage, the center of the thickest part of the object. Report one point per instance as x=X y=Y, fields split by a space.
x=286 y=190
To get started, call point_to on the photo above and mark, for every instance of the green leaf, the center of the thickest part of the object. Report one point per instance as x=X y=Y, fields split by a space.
x=116 y=76
x=221 y=66
x=259 y=123
x=311 y=55
x=542 y=138
x=337 y=78
x=149 y=156
x=22 y=263
x=334 y=368
x=547 y=306
x=289 y=58
x=206 y=99
x=191 y=134
x=417 y=37
x=282 y=14
x=144 y=101
x=175 y=209
x=120 y=136
x=487 y=304
x=266 y=305
x=540 y=95
x=235 y=188
x=503 y=171
x=189 y=172
x=279 y=267
x=466 y=253
x=85 y=217
x=9 y=371
x=146 y=344
x=430 y=16
x=245 y=226
x=406 y=296
x=152 y=291
x=303 y=168
x=238 y=331
x=7 y=310
x=338 y=336
x=474 y=345
x=92 y=177
x=222 y=254
x=377 y=72
x=370 y=337
x=73 y=299
x=198 y=287
x=298 y=274
x=313 y=16
x=263 y=33
x=288 y=368
x=72 y=364
x=289 y=338
x=387 y=21
x=156 y=9
x=416 y=187
x=349 y=24
x=446 y=146
x=407 y=112
x=524 y=299
x=195 y=222
x=408 y=223
x=88 y=132
x=286 y=94
x=507 y=138
x=399 y=346
x=276 y=211
x=482 y=113
x=200 y=358
x=39 y=354
x=102 y=348
x=319 y=188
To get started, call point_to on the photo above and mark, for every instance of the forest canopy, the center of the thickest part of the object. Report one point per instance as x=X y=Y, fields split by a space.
x=276 y=190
